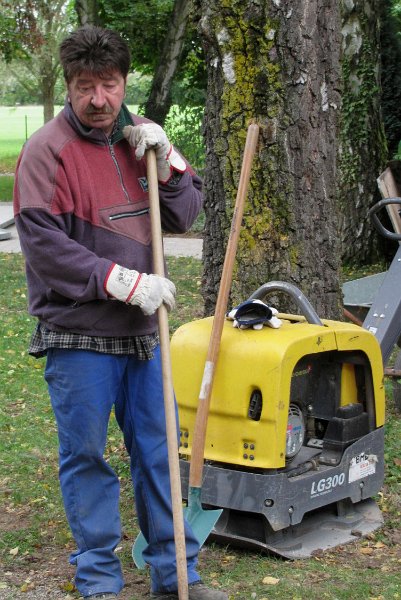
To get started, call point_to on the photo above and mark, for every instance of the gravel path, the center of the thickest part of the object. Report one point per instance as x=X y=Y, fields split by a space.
x=38 y=593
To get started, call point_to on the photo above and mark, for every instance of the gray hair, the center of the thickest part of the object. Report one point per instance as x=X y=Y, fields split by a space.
x=95 y=50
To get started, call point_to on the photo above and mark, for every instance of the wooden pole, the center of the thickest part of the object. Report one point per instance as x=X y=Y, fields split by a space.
x=169 y=400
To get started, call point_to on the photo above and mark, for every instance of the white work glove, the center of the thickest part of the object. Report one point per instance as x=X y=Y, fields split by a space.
x=150 y=135
x=254 y=314
x=146 y=291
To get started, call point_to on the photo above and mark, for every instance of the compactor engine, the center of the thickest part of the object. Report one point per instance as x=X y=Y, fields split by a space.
x=294 y=443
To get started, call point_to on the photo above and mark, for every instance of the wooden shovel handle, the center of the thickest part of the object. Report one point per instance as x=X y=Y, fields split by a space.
x=169 y=401
x=198 y=443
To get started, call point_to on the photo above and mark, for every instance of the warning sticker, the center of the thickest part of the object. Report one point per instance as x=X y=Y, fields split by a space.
x=362 y=466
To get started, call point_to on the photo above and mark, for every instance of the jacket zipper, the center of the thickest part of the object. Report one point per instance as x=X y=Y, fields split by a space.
x=113 y=156
x=132 y=213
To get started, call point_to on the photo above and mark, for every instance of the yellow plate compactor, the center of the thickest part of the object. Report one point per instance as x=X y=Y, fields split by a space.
x=295 y=444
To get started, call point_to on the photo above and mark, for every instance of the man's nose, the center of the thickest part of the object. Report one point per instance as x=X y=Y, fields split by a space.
x=98 y=97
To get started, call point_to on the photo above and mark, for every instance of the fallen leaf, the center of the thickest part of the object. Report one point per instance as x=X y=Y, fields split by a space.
x=227 y=559
x=68 y=586
x=366 y=550
x=270 y=580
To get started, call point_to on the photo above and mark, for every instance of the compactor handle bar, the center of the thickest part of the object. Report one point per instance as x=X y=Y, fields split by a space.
x=301 y=301
x=391 y=235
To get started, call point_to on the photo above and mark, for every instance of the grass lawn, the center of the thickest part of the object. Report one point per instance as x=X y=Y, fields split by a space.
x=35 y=541
x=17 y=124
x=6 y=188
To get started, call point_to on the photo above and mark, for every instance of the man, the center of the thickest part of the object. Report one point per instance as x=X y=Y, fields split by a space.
x=81 y=208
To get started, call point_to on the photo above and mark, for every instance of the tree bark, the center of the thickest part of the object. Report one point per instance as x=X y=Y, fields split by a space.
x=159 y=100
x=390 y=55
x=47 y=89
x=363 y=149
x=88 y=12
x=53 y=27
x=276 y=62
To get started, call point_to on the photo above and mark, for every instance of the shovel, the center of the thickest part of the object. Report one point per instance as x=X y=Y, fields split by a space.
x=169 y=400
x=202 y=521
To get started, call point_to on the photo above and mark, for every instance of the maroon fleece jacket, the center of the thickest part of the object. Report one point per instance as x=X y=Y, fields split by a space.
x=81 y=204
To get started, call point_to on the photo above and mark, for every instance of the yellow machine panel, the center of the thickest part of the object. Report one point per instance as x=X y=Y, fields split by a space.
x=262 y=375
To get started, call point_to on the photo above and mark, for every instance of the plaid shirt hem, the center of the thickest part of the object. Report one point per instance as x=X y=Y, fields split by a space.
x=141 y=346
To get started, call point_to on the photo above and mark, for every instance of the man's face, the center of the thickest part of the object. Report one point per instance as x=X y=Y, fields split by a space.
x=97 y=101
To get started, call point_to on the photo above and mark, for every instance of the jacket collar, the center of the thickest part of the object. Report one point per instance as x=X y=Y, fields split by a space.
x=97 y=136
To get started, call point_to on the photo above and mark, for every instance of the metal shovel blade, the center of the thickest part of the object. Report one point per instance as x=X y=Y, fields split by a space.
x=139 y=546
x=201 y=521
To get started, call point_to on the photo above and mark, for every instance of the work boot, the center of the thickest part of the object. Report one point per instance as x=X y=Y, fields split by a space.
x=196 y=591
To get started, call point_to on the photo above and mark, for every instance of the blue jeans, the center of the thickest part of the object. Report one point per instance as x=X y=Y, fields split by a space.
x=83 y=387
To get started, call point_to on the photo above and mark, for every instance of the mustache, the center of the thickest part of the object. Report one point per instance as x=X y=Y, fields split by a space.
x=92 y=110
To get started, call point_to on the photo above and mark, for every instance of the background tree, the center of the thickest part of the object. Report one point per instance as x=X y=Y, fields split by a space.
x=88 y=12
x=278 y=63
x=11 y=40
x=36 y=29
x=166 y=52
x=363 y=151
x=395 y=6
x=390 y=43
x=159 y=101
x=143 y=24
x=164 y=46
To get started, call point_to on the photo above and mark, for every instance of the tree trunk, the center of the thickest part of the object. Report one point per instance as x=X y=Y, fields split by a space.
x=159 y=100
x=363 y=150
x=48 y=100
x=390 y=55
x=276 y=62
x=48 y=65
x=88 y=12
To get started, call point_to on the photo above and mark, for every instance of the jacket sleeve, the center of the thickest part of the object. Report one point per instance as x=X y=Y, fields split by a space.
x=47 y=236
x=180 y=203
x=62 y=264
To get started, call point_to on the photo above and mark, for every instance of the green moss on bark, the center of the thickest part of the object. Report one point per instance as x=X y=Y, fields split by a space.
x=359 y=100
x=245 y=55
